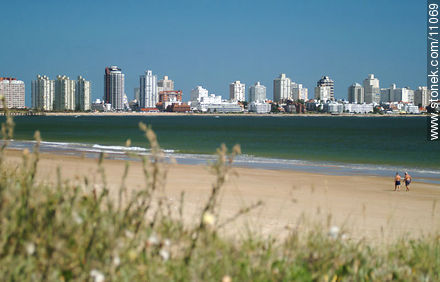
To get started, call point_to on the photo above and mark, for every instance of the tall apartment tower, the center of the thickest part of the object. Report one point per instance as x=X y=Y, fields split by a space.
x=327 y=81
x=114 y=87
x=299 y=92
x=13 y=91
x=356 y=94
x=323 y=93
x=64 y=98
x=257 y=92
x=82 y=94
x=421 y=96
x=43 y=92
x=281 y=88
x=371 y=89
x=165 y=84
x=199 y=93
x=149 y=95
x=237 y=91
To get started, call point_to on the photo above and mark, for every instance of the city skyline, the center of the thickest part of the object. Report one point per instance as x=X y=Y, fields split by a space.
x=203 y=54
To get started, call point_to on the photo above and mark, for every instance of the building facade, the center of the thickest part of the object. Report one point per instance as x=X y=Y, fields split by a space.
x=356 y=94
x=323 y=93
x=257 y=92
x=237 y=91
x=299 y=92
x=371 y=89
x=281 y=88
x=327 y=82
x=82 y=94
x=165 y=84
x=149 y=96
x=198 y=93
x=114 y=86
x=14 y=92
x=422 y=96
x=64 y=98
x=43 y=91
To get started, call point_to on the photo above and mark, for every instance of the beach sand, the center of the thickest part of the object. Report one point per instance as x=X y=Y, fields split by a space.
x=363 y=206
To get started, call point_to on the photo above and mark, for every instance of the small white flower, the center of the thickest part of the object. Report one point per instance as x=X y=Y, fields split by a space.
x=167 y=242
x=30 y=248
x=208 y=218
x=116 y=261
x=153 y=240
x=129 y=234
x=97 y=276
x=78 y=219
x=334 y=232
x=164 y=254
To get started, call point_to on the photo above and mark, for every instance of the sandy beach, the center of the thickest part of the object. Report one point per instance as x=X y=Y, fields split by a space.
x=362 y=206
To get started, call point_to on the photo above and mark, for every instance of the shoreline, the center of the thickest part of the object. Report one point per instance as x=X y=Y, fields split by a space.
x=364 y=206
x=227 y=114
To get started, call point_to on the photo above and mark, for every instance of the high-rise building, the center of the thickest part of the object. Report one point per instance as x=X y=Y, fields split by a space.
x=404 y=94
x=82 y=94
x=165 y=84
x=257 y=93
x=237 y=91
x=356 y=94
x=299 y=92
x=13 y=91
x=421 y=96
x=137 y=94
x=281 y=88
x=327 y=81
x=371 y=89
x=149 y=96
x=64 y=98
x=198 y=93
x=323 y=93
x=43 y=91
x=114 y=88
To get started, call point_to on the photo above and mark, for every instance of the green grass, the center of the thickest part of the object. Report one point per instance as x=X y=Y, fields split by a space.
x=74 y=230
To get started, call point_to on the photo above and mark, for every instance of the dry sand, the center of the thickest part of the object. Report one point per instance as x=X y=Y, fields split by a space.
x=364 y=206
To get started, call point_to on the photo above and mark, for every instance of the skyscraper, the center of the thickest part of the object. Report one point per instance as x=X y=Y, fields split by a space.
x=64 y=98
x=149 y=96
x=237 y=91
x=356 y=94
x=281 y=88
x=82 y=94
x=43 y=91
x=257 y=93
x=299 y=92
x=114 y=87
x=323 y=93
x=327 y=81
x=371 y=89
x=13 y=91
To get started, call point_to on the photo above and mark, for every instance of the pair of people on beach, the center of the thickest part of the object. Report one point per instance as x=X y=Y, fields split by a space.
x=406 y=179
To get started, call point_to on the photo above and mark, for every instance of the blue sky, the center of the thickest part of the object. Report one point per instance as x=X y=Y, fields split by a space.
x=212 y=43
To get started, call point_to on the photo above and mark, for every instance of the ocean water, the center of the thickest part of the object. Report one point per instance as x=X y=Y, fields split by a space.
x=376 y=143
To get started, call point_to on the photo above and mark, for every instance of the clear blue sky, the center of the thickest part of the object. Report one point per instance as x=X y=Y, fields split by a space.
x=212 y=43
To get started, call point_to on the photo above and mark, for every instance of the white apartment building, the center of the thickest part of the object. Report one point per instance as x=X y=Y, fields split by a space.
x=323 y=93
x=198 y=93
x=165 y=84
x=356 y=94
x=281 y=88
x=299 y=92
x=43 y=92
x=82 y=94
x=422 y=96
x=257 y=92
x=371 y=89
x=237 y=91
x=64 y=98
x=394 y=94
x=13 y=90
x=327 y=81
x=259 y=108
x=114 y=87
x=149 y=96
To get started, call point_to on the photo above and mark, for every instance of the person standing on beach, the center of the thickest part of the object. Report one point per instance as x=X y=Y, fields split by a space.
x=397 y=182
x=407 y=180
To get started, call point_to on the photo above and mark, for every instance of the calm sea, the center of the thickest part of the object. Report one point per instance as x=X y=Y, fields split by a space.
x=392 y=142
